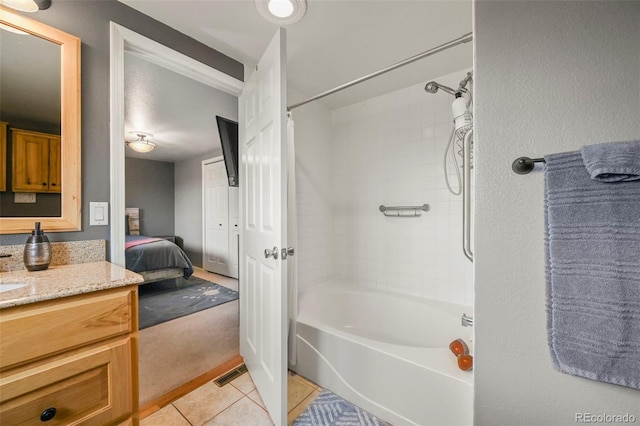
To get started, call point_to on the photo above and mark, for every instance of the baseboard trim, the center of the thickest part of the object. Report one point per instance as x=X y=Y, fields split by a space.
x=166 y=399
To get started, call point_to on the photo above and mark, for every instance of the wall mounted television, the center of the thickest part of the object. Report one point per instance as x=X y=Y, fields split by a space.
x=228 y=131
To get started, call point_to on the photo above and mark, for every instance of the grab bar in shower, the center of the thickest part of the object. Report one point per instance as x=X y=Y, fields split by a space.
x=404 y=211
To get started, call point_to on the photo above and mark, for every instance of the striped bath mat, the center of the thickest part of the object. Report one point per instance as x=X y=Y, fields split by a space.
x=329 y=409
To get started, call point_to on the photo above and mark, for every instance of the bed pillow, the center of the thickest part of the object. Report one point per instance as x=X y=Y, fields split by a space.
x=126 y=224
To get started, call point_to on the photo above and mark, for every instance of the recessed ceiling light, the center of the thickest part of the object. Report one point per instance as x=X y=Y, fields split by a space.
x=282 y=12
x=280 y=8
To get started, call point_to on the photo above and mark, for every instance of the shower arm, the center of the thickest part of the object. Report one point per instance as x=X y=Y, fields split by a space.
x=465 y=81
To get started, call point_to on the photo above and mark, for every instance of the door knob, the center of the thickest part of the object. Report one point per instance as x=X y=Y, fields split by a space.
x=268 y=253
x=286 y=252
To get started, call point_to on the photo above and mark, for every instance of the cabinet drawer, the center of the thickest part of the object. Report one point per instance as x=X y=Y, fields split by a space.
x=41 y=329
x=91 y=387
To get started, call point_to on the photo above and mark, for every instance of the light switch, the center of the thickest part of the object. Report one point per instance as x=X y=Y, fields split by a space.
x=98 y=213
x=24 y=197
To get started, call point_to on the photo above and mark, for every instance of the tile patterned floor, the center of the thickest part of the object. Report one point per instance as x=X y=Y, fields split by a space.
x=237 y=403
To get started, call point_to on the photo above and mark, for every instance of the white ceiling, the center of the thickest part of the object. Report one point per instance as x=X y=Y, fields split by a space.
x=178 y=111
x=336 y=42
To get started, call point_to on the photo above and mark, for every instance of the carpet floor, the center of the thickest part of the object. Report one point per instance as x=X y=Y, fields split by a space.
x=175 y=352
x=167 y=300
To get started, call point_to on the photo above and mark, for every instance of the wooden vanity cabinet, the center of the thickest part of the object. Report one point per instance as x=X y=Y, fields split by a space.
x=36 y=162
x=72 y=359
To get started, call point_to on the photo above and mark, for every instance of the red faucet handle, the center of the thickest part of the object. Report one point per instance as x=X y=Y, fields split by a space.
x=459 y=347
x=465 y=362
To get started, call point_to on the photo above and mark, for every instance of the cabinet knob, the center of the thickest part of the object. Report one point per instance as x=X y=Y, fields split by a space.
x=53 y=184
x=48 y=414
x=44 y=183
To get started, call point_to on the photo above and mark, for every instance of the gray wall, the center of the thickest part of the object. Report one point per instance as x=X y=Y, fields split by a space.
x=188 y=206
x=550 y=77
x=89 y=20
x=149 y=185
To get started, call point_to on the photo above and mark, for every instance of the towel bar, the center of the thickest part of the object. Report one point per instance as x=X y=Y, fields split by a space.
x=524 y=165
x=388 y=211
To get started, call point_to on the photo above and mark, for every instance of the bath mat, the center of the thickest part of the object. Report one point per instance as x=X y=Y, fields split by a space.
x=167 y=300
x=329 y=409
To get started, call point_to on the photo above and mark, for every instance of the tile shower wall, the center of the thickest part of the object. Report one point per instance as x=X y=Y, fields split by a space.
x=313 y=192
x=389 y=150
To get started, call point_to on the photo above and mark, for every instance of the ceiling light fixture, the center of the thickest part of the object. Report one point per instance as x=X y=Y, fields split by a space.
x=27 y=5
x=282 y=12
x=141 y=144
x=280 y=8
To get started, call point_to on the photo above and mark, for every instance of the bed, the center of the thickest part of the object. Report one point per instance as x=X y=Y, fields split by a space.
x=156 y=259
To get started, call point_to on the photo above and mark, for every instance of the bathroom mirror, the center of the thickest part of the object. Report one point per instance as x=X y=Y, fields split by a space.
x=63 y=63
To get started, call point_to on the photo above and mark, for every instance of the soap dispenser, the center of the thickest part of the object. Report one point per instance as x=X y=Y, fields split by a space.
x=37 y=251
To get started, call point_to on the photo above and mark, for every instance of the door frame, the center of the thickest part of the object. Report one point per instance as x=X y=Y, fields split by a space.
x=204 y=206
x=123 y=39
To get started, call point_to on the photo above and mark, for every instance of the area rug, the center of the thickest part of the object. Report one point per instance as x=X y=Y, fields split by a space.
x=329 y=409
x=167 y=300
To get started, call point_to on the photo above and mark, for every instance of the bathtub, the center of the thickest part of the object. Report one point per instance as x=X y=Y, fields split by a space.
x=386 y=353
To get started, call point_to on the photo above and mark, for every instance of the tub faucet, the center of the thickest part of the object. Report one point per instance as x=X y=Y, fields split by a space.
x=467 y=321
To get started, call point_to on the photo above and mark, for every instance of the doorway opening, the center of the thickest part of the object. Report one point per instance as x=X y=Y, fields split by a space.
x=208 y=338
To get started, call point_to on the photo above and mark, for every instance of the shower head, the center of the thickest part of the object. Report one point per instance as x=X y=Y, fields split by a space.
x=432 y=87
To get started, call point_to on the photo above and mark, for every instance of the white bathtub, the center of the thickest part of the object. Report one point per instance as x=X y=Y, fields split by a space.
x=386 y=353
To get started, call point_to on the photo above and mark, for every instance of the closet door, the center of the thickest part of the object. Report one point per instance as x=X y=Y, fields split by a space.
x=217 y=219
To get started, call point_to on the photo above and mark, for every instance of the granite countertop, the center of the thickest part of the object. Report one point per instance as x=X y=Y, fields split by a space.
x=62 y=281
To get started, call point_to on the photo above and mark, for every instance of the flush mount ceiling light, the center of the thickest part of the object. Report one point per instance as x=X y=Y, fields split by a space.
x=282 y=12
x=27 y=5
x=141 y=144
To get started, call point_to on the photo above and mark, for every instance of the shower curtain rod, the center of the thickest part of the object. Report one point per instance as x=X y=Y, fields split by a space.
x=464 y=39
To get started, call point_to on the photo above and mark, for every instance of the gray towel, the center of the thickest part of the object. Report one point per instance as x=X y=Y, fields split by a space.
x=593 y=272
x=613 y=161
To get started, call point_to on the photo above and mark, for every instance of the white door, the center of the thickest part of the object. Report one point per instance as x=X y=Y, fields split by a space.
x=234 y=230
x=216 y=257
x=263 y=289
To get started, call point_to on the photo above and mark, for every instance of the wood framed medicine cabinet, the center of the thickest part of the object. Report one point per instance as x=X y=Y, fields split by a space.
x=70 y=143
